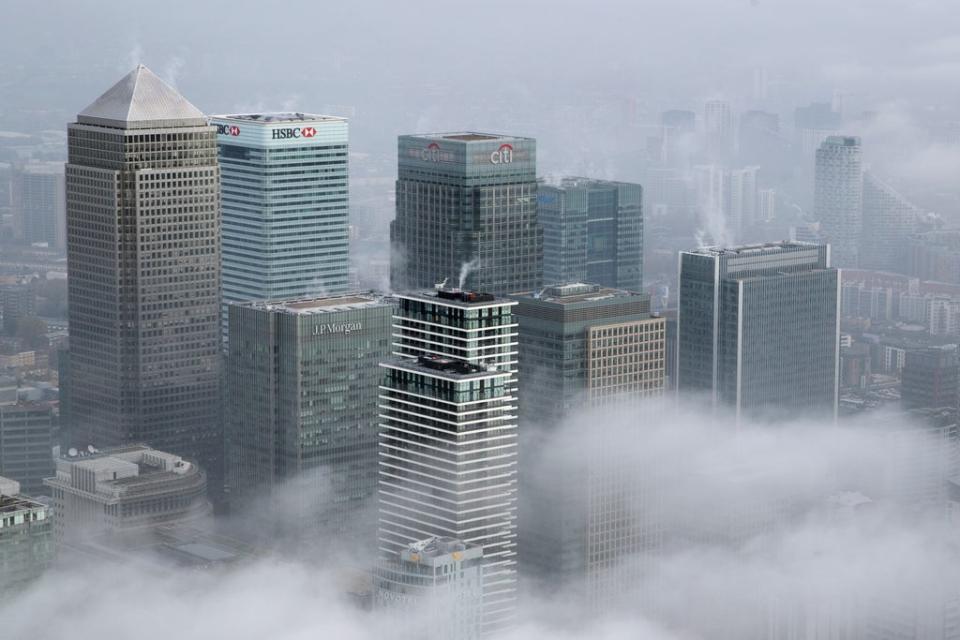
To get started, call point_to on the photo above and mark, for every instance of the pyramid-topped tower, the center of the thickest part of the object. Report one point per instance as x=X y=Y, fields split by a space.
x=140 y=100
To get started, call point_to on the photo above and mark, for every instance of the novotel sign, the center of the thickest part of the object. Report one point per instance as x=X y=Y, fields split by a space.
x=336 y=327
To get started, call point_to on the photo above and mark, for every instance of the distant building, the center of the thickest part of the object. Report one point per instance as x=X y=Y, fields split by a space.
x=284 y=185
x=39 y=207
x=744 y=201
x=758 y=327
x=301 y=382
x=127 y=490
x=143 y=250
x=27 y=544
x=433 y=590
x=18 y=300
x=718 y=131
x=467 y=213
x=889 y=220
x=584 y=346
x=813 y=124
x=930 y=379
x=838 y=198
x=26 y=444
x=934 y=255
x=448 y=435
x=592 y=232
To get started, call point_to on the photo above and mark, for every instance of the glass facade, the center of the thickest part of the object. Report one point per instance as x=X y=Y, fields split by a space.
x=301 y=386
x=448 y=436
x=592 y=232
x=143 y=253
x=467 y=213
x=285 y=206
x=758 y=328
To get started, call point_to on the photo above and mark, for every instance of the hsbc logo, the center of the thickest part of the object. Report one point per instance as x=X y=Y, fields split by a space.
x=293 y=132
x=503 y=155
x=228 y=130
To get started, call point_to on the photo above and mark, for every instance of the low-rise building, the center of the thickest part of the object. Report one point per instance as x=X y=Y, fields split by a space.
x=125 y=490
x=27 y=545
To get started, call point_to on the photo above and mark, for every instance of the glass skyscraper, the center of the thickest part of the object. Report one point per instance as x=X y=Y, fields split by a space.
x=285 y=205
x=592 y=232
x=838 y=198
x=448 y=435
x=467 y=213
x=301 y=385
x=143 y=252
x=759 y=327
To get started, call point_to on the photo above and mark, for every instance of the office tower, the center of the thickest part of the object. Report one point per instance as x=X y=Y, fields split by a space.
x=592 y=232
x=838 y=198
x=143 y=250
x=813 y=124
x=301 y=385
x=930 y=379
x=758 y=327
x=581 y=522
x=18 y=300
x=565 y=331
x=433 y=589
x=39 y=208
x=889 y=220
x=26 y=443
x=760 y=140
x=679 y=119
x=766 y=205
x=467 y=213
x=743 y=201
x=285 y=207
x=677 y=140
x=934 y=255
x=448 y=435
x=712 y=185
x=127 y=490
x=27 y=545
x=718 y=131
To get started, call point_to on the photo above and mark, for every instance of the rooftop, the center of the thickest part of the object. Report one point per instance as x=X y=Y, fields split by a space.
x=458 y=297
x=140 y=96
x=279 y=117
x=316 y=305
x=448 y=366
x=466 y=136
x=754 y=249
x=577 y=292
x=11 y=504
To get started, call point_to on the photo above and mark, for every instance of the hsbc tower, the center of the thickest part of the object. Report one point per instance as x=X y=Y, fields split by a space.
x=285 y=205
x=467 y=213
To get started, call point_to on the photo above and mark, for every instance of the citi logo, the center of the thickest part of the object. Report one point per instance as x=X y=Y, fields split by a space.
x=296 y=132
x=431 y=153
x=503 y=155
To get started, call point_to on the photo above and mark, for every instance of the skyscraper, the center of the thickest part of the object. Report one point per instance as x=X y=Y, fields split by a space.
x=285 y=205
x=26 y=443
x=930 y=379
x=467 y=213
x=448 y=435
x=758 y=327
x=889 y=220
x=38 y=206
x=743 y=202
x=838 y=198
x=301 y=384
x=592 y=232
x=718 y=131
x=584 y=346
x=143 y=249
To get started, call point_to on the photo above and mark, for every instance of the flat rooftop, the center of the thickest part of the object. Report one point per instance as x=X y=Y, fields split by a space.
x=466 y=136
x=749 y=249
x=578 y=292
x=278 y=117
x=458 y=297
x=12 y=504
x=312 y=306
x=447 y=366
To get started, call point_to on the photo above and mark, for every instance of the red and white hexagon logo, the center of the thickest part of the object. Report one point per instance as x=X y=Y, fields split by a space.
x=308 y=132
x=234 y=130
